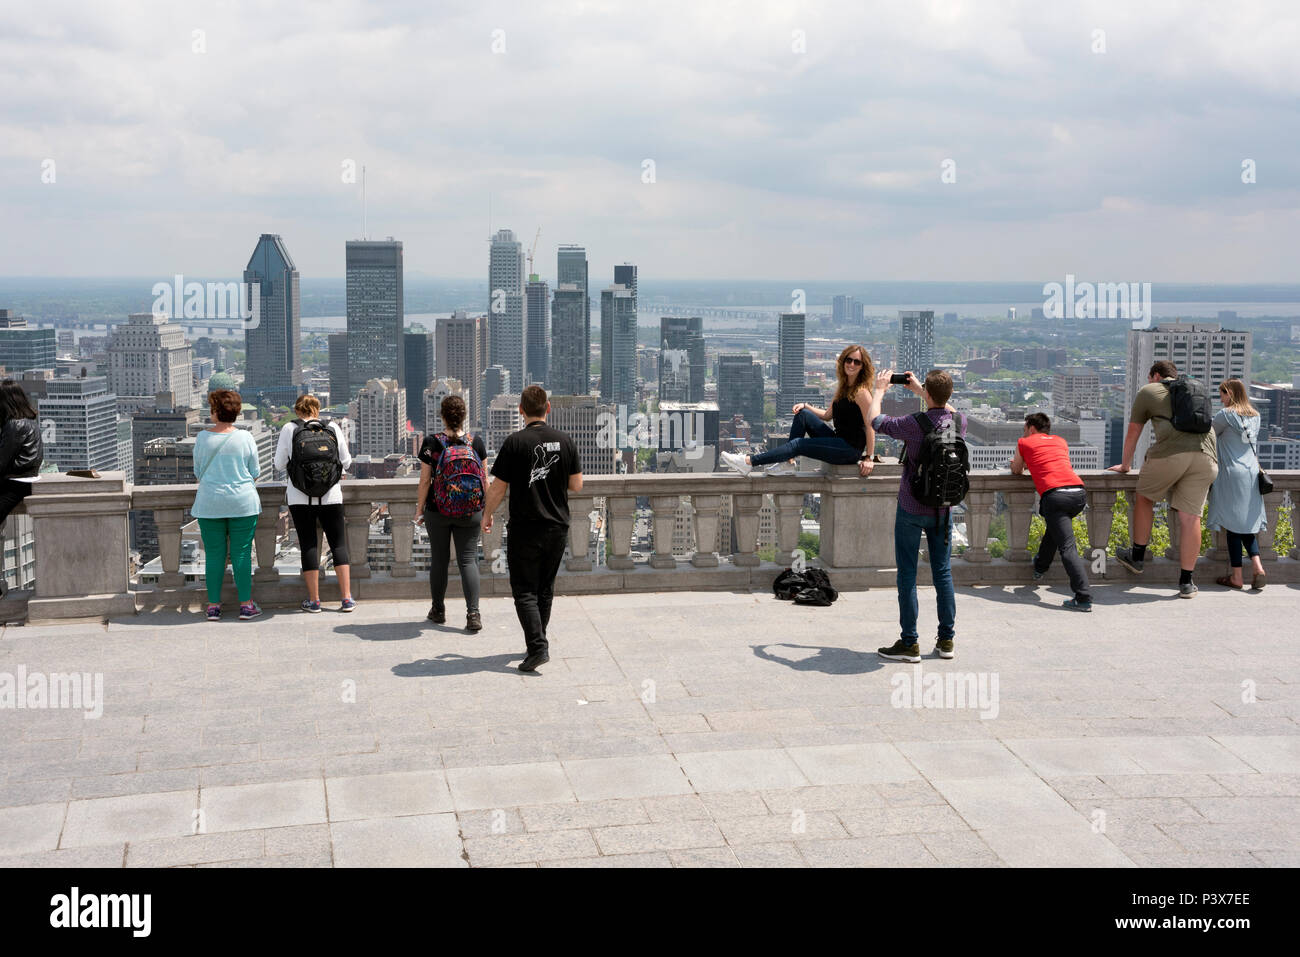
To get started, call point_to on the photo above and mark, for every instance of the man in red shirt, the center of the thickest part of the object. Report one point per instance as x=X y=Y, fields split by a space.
x=1060 y=498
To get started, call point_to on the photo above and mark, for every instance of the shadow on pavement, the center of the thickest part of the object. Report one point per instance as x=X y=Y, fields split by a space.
x=828 y=660
x=453 y=664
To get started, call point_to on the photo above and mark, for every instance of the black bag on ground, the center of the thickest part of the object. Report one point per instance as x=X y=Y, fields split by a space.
x=788 y=584
x=813 y=596
x=314 y=466
x=940 y=477
x=1190 y=400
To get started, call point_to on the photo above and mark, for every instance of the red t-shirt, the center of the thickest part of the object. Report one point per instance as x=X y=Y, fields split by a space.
x=1047 y=457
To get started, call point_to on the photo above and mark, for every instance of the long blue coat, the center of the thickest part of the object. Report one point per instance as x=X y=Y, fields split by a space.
x=1235 y=502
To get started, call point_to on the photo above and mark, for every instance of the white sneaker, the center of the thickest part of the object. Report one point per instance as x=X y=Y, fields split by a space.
x=780 y=468
x=736 y=461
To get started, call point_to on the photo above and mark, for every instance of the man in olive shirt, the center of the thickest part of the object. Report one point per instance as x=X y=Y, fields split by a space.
x=1179 y=466
x=539 y=467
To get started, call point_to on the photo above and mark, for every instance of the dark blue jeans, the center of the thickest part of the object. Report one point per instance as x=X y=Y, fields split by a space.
x=812 y=437
x=908 y=529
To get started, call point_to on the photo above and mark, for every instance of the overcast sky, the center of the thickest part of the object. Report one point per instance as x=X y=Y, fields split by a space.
x=789 y=140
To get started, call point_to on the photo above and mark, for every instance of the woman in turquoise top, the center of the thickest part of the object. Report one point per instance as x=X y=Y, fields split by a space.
x=227 y=503
x=1235 y=503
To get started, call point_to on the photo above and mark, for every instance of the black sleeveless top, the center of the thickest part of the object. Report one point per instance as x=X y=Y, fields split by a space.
x=847 y=416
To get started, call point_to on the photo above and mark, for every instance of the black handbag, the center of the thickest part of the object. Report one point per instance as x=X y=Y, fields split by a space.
x=1261 y=479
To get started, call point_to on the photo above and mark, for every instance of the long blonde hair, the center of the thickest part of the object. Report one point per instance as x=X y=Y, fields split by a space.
x=1238 y=400
x=865 y=377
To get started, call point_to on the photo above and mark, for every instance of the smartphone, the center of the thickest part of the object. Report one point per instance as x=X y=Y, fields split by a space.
x=899 y=378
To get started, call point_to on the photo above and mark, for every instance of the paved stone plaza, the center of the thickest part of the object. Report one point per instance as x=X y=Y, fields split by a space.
x=684 y=729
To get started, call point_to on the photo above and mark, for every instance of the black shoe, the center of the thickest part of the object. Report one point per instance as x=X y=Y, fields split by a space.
x=437 y=614
x=1125 y=557
x=532 y=661
x=473 y=621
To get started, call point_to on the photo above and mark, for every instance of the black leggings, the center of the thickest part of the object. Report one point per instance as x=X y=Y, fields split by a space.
x=330 y=517
x=12 y=492
x=1237 y=541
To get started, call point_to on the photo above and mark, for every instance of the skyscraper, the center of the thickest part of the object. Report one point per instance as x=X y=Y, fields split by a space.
x=538 y=370
x=571 y=345
x=496 y=381
x=376 y=317
x=508 y=307
x=625 y=275
x=339 y=391
x=438 y=390
x=1204 y=351
x=740 y=389
x=81 y=415
x=503 y=418
x=379 y=411
x=570 y=341
x=580 y=417
x=147 y=355
x=618 y=348
x=681 y=359
x=272 y=345
x=916 y=342
x=458 y=354
x=418 y=356
x=793 y=386
x=22 y=348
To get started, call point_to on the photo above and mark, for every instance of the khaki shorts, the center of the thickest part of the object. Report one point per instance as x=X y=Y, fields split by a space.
x=1184 y=478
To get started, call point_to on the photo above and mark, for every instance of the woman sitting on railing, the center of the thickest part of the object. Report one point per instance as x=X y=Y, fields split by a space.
x=851 y=440
x=227 y=504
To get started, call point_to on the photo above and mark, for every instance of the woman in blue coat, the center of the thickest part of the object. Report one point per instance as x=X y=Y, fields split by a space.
x=1235 y=503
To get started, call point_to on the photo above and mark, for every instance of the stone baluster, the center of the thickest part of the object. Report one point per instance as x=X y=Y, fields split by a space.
x=1020 y=510
x=402 y=515
x=1219 y=546
x=1100 y=518
x=265 y=536
x=582 y=508
x=494 y=552
x=789 y=513
x=979 y=515
x=620 y=512
x=356 y=515
x=706 y=508
x=169 y=522
x=744 y=517
x=664 y=508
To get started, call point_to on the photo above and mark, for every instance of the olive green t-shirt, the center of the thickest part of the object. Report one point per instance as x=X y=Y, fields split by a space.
x=1153 y=404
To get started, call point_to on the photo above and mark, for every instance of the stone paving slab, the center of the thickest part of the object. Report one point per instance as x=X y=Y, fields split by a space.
x=709 y=729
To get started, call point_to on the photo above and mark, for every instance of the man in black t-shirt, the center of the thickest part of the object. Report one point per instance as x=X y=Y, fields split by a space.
x=539 y=467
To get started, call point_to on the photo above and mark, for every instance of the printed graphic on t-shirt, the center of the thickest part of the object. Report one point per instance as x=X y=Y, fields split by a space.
x=542 y=462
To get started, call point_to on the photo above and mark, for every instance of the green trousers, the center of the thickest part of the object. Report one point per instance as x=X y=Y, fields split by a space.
x=237 y=534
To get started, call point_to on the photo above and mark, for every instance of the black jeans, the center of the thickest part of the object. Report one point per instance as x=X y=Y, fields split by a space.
x=533 y=552
x=1058 y=508
x=12 y=492
x=332 y=521
x=442 y=531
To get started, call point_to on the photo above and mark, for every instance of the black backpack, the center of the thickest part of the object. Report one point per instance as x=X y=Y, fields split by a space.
x=940 y=478
x=314 y=466
x=810 y=587
x=1192 y=409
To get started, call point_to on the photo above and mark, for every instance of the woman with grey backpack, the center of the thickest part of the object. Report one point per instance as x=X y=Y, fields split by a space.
x=1236 y=504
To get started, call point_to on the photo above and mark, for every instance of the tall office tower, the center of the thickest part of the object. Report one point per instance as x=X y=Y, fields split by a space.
x=496 y=381
x=338 y=353
x=740 y=389
x=81 y=415
x=147 y=355
x=1075 y=388
x=625 y=275
x=458 y=353
x=916 y=342
x=508 y=307
x=618 y=348
x=1282 y=404
x=793 y=387
x=125 y=458
x=681 y=359
x=571 y=267
x=417 y=353
x=379 y=412
x=438 y=390
x=1204 y=351
x=581 y=417
x=22 y=348
x=376 y=312
x=503 y=418
x=570 y=341
x=272 y=345
x=538 y=371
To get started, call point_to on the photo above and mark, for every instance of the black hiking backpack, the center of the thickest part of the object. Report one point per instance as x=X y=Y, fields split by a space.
x=1190 y=400
x=939 y=478
x=314 y=466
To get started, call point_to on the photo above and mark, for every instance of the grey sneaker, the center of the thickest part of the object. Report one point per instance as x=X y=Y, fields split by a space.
x=901 y=651
x=1125 y=557
x=1188 y=591
x=780 y=468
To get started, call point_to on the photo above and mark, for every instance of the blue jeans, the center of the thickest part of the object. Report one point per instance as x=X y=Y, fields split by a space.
x=812 y=437
x=907 y=546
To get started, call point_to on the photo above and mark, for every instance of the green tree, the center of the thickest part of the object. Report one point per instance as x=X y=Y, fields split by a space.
x=767 y=554
x=810 y=543
x=1037 y=528
x=1284 y=533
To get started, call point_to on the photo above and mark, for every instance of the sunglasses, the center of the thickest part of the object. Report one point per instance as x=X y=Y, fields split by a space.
x=856 y=362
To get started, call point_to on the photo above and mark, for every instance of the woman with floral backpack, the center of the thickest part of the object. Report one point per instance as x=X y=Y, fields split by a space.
x=449 y=503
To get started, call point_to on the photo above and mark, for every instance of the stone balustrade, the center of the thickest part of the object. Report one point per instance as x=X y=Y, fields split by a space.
x=82 y=565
